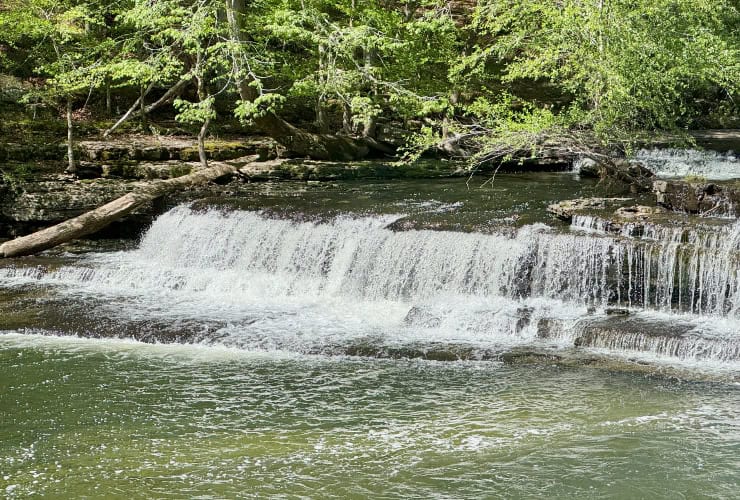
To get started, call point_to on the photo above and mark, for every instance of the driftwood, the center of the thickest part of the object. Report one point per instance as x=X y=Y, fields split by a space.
x=95 y=220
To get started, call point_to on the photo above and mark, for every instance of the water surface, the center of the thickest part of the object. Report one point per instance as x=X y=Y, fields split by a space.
x=107 y=418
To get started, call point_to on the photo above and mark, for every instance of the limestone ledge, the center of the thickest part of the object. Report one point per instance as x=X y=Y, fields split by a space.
x=696 y=197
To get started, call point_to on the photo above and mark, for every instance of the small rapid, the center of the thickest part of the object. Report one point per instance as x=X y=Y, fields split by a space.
x=710 y=165
x=351 y=285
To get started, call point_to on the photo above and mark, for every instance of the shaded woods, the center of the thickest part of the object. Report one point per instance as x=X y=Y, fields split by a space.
x=329 y=79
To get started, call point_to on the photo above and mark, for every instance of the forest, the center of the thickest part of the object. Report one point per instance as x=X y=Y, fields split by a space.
x=393 y=249
x=333 y=79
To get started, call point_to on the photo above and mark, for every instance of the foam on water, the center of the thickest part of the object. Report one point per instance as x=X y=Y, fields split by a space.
x=309 y=287
x=684 y=162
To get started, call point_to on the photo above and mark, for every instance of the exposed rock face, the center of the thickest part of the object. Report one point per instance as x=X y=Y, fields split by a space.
x=567 y=208
x=52 y=198
x=693 y=197
x=48 y=202
x=27 y=152
x=138 y=148
x=310 y=170
x=147 y=148
x=638 y=212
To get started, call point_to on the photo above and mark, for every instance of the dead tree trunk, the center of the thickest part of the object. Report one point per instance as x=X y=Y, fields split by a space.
x=142 y=109
x=168 y=96
x=101 y=217
x=130 y=111
x=71 y=164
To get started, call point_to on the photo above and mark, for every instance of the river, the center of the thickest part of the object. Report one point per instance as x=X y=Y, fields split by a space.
x=356 y=340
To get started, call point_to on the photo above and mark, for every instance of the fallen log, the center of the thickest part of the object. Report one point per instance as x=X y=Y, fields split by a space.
x=95 y=220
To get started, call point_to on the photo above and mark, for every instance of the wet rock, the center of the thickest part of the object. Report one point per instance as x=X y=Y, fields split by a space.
x=527 y=357
x=698 y=197
x=588 y=167
x=676 y=338
x=419 y=316
x=524 y=318
x=567 y=208
x=638 y=212
x=48 y=202
x=615 y=311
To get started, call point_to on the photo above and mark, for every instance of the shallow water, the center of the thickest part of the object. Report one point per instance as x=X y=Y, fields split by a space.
x=107 y=418
x=254 y=312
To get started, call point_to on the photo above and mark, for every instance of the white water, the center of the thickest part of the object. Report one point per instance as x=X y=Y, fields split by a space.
x=310 y=287
x=711 y=165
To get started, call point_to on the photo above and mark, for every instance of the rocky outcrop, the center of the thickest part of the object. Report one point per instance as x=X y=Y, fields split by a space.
x=40 y=204
x=140 y=148
x=638 y=212
x=698 y=197
x=566 y=209
x=31 y=204
x=310 y=170
x=149 y=148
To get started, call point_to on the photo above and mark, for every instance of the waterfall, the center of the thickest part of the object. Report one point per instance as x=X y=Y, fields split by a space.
x=710 y=165
x=262 y=274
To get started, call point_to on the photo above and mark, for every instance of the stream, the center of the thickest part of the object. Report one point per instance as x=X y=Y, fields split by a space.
x=354 y=339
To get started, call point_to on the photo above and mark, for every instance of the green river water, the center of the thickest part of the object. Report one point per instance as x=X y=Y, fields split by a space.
x=245 y=389
x=106 y=419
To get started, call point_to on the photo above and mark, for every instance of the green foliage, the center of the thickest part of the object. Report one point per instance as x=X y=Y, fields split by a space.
x=248 y=111
x=195 y=112
x=614 y=67
x=627 y=64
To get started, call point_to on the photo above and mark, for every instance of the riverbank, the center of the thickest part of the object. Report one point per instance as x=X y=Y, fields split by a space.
x=35 y=192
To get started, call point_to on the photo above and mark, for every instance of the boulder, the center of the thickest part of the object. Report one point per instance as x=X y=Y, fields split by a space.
x=567 y=208
x=587 y=167
x=638 y=212
x=697 y=197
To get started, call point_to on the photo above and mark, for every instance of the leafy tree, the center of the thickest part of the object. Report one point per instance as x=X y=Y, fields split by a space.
x=624 y=65
x=65 y=47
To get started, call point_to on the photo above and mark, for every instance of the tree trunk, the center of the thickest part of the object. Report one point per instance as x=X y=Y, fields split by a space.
x=322 y=123
x=71 y=165
x=347 y=118
x=202 y=143
x=101 y=217
x=142 y=108
x=130 y=111
x=108 y=99
x=295 y=140
x=168 y=96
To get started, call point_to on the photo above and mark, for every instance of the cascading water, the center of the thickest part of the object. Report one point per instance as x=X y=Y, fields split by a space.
x=710 y=165
x=271 y=283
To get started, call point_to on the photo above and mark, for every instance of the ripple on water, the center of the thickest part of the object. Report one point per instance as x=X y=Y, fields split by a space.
x=100 y=417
